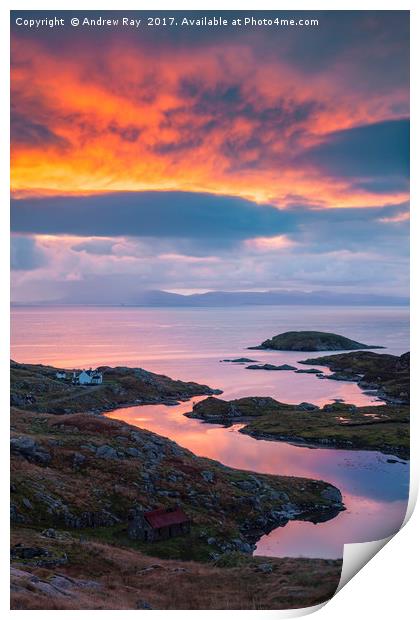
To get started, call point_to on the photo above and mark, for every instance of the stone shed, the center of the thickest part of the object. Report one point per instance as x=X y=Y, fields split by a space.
x=159 y=524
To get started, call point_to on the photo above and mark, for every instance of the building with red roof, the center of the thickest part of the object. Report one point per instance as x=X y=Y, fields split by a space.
x=159 y=524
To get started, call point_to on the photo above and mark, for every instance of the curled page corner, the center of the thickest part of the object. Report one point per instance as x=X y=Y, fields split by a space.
x=356 y=555
x=294 y=613
x=412 y=499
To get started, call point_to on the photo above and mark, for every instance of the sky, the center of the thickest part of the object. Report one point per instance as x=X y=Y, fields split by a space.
x=197 y=159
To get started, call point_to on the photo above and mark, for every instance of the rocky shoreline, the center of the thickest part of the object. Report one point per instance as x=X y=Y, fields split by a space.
x=401 y=452
x=387 y=376
x=118 y=468
x=384 y=428
x=59 y=443
x=34 y=387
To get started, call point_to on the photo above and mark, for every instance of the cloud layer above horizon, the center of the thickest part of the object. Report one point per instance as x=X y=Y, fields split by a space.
x=212 y=159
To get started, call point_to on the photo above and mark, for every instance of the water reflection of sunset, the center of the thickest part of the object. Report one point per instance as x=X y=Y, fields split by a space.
x=189 y=345
x=373 y=490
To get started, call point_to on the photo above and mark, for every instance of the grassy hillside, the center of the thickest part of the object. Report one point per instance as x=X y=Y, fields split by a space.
x=34 y=387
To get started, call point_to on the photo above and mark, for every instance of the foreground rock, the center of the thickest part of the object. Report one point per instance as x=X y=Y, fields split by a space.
x=312 y=341
x=35 y=387
x=384 y=428
x=387 y=376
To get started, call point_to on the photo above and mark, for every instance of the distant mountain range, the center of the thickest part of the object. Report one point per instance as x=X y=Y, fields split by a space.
x=228 y=299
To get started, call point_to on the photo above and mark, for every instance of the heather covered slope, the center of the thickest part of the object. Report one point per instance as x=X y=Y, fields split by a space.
x=34 y=387
x=76 y=479
x=85 y=472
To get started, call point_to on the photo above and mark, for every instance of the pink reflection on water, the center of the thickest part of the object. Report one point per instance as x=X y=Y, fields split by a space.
x=374 y=491
x=368 y=521
x=188 y=344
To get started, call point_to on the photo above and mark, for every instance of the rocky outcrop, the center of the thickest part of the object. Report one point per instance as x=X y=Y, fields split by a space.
x=240 y=360
x=56 y=588
x=387 y=376
x=29 y=449
x=383 y=428
x=312 y=341
x=270 y=367
x=37 y=556
x=36 y=388
x=219 y=411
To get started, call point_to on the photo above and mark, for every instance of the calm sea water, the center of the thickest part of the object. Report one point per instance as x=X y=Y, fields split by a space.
x=189 y=344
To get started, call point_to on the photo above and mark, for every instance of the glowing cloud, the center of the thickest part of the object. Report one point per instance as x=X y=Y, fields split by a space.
x=122 y=114
x=280 y=242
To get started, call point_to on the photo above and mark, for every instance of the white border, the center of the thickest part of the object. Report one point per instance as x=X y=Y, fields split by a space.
x=386 y=587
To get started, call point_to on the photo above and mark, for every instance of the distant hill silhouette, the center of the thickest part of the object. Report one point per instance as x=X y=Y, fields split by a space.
x=153 y=298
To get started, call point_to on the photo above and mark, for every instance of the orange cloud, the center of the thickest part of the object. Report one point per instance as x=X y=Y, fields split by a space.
x=119 y=118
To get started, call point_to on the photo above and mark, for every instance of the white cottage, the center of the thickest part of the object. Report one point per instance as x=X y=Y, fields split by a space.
x=88 y=377
x=61 y=374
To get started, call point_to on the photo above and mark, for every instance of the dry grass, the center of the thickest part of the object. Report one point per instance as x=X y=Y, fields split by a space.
x=86 y=423
x=127 y=577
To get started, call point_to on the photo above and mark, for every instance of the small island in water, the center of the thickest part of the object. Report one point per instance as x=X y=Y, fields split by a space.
x=312 y=341
x=379 y=427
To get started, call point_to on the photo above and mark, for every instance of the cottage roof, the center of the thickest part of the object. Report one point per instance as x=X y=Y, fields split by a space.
x=164 y=517
x=91 y=373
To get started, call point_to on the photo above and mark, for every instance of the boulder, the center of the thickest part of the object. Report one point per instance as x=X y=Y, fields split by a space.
x=208 y=476
x=28 y=553
x=106 y=452
x=265 y=567
x=29 y=449
x=332 y=494
x=133 y=452
x=78 y=459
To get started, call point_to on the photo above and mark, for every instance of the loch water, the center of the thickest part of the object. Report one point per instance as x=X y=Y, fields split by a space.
x=188 y=344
